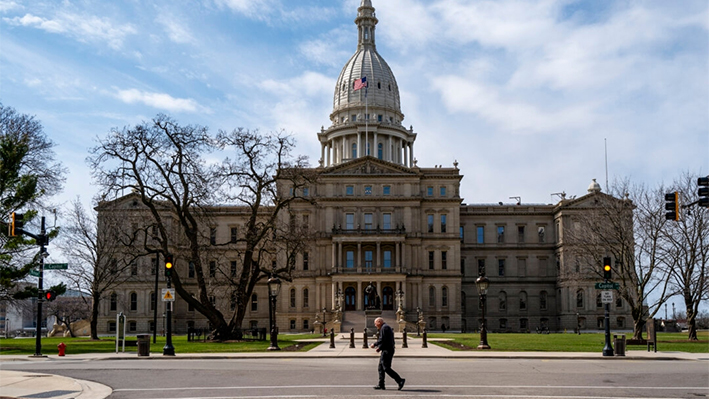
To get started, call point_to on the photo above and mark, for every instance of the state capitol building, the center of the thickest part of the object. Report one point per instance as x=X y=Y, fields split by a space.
x=381 y=218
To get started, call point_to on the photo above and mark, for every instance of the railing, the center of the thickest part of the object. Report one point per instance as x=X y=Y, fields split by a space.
x=360 y=231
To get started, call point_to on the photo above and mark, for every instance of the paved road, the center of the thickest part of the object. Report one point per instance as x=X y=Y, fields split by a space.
x=354 y=378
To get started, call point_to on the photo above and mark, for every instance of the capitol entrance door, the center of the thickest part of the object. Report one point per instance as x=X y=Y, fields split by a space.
x=350 y=298
x=388 y=298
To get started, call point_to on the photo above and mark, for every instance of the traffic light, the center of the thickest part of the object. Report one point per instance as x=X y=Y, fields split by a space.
x=16 y=224
x=50 y=295
x=672 y=206
x=168 y=265
x=703 y=192
x=607 y=268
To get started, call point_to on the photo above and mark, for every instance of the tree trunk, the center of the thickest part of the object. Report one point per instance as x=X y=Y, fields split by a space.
x=94 y=316
x=638 y=325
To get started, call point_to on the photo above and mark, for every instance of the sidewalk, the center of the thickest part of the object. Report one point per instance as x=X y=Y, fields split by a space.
x=23 y=384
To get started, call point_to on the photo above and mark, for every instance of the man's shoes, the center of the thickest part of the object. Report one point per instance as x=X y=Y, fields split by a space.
x=401 y=383
x=379 y=387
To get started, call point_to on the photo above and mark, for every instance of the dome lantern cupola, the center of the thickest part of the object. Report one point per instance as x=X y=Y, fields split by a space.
x=366 y=122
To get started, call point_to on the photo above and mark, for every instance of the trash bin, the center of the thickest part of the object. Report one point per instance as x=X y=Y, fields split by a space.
x=143 y=345
x=619 y=343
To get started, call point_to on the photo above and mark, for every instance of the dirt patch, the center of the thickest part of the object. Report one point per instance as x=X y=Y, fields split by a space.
x=457 y=346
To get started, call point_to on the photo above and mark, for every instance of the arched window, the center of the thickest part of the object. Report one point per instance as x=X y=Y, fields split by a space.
x=503 y=300
x=444 y=296
x=431 y=296
x=114 y=301
x=133 y=301
x=306 y=298
x=354 y=150
x=522 y=300
x=292 y=297
x=380 y=151
x=579 y=299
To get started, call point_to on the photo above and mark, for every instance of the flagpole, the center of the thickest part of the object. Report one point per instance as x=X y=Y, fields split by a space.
x=366 y=119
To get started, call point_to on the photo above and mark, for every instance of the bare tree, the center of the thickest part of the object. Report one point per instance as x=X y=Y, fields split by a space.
x=98 y=252
x=163 y=163
x=686 y=252
x=627 y=224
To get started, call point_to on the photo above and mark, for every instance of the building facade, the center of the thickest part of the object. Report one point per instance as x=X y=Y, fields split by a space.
x=383 y=220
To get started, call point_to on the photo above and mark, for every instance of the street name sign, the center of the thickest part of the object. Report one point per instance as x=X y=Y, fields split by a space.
x=607 y=286
x=34 y=273
x=56 y=266
x=168 y=295
x=606 y=297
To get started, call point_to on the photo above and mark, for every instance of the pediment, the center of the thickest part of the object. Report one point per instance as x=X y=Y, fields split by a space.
x=591 y=200
x=368 y=166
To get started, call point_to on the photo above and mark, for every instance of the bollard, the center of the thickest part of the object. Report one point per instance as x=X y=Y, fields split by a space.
x=332 y=339
x=352 y=345
x=62 y=348
x=424 y=343
x=365 y=346
x=405 y=344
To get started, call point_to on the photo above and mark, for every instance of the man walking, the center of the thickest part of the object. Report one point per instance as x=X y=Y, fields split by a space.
x=385 y=345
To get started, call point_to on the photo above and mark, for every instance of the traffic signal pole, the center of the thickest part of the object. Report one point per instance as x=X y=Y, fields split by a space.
x=608 y=348
x=168 y=349
x=41 y=238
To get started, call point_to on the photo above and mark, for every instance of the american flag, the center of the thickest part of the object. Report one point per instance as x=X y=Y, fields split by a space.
x=360 y=83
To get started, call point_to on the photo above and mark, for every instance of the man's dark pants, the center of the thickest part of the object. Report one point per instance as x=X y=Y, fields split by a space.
x=385 y=367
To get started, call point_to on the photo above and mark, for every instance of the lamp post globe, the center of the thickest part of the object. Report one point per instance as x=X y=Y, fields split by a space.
x=483 y=283
x=274 y=288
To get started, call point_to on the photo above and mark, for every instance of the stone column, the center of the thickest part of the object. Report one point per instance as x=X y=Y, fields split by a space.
x=376 y=148
x=389 y=151
x=398 y=256
x=334 y=256
x=359 y=145
x=358 y=296
x=359 y=257
x=339 y=255
x=412 y=154
x=379 y=262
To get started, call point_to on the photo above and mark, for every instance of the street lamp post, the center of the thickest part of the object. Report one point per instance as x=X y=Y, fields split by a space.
x=483 y=283
x=274 y=288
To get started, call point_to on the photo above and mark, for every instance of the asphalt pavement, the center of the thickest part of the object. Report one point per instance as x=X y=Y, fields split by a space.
x=14 y=384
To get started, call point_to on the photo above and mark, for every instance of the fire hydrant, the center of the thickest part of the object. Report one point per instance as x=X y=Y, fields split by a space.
x=62 y=348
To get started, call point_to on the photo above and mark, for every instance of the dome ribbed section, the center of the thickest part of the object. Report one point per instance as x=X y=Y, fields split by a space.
x=383 y=90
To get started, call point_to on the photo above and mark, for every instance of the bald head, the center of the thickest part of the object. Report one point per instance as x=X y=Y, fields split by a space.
x=379 y=322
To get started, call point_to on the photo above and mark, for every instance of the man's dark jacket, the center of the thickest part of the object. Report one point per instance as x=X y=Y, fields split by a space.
x=386 y=339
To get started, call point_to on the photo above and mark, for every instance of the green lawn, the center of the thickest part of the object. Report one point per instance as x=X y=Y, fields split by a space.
x=26 y=346
x=588 y=342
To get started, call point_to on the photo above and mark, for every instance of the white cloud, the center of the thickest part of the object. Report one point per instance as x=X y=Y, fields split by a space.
x=329 y=49
x=6 y=6
x=82 y=28
x=178 y=31
x=257 y=9
x=160 y=101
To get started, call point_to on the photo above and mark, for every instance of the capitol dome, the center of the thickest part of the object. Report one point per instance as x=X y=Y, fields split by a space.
x=366 y=121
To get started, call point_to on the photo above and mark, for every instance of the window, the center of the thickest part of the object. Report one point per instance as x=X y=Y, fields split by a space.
x=386 y=190
x=349 y=190
x=522 y=300
x=501 y=267
x=543 y=300
x=306 y=261
x=481 y=234
x=254 y=302
x=111 y=326
x=233 y=235
x=523 y=324
x=540 y=232
x=462 y=266
x=431 y=296
x=429 y=191
x=500 y=234
x=380 y=117
x=444 y=260
x=430 y=223
x=212 y=268
x=353 y=118
x=520 y=234
x=349 y=221
x=579 y=299
x=387 y=258
x=380 y=147
x=368 y=221
x=462 y=234
x=502 y=301
x=306 y=221
x=481 y=267
x=619 y=302
x=306 y=192
x=430 y=260
x=354 y=150
x=386 y=221
x=133 y=301
x=292 y=324
x=114 y=301
x=444 y=296
x=151 y=326
x=306 y=325
x=503 y=324
x=133 y=269
x=620 y=322
x=191 y=270
x=444 y=221
x=368 y=257
x=599 y=300
x=350 y=259
x=292 y=297
x=213 y=236
x=153 y=301
x=443 y=191
x=306 y=298
x=232 y=267
x=367 y=190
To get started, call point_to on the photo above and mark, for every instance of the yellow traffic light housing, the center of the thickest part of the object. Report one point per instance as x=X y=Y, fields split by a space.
x=168 y=264
x=607 y=268
x=672 y=206
x=16 y=224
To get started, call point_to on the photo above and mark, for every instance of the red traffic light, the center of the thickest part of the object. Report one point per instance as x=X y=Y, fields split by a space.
x=50 y=296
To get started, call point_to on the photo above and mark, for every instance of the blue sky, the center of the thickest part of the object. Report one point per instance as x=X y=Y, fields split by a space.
x=522 y=93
